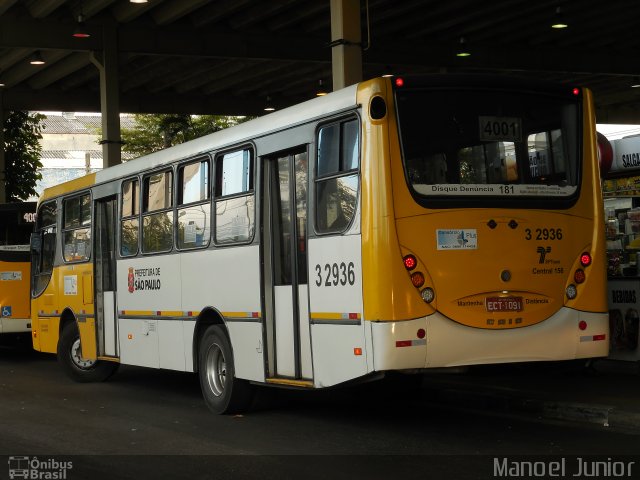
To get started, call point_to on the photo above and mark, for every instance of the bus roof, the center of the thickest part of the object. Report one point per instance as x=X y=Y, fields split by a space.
x=333 y=102
x=252 y=129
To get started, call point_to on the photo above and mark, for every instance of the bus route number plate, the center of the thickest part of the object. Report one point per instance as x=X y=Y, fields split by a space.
x=500 y=129
x=504 y=304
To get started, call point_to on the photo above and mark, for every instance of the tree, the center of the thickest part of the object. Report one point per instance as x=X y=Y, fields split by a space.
x=155 y=132
x=22 y=135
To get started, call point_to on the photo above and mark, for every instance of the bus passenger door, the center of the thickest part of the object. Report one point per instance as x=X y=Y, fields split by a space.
x=105 y=276
x=285 y=266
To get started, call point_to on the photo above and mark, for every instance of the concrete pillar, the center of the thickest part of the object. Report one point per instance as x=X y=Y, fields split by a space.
x=107 y=64
x=3 y=164
x=346 y=43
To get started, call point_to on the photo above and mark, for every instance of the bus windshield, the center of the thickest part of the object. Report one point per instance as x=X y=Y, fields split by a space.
x=459 y=144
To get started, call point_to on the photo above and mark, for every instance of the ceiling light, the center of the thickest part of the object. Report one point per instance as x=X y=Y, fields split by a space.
x=269 y=105
x=321 y=92
x=81 y=29
x=37 y=59
x=463 y=50
x=138 y=1
x=559 y=20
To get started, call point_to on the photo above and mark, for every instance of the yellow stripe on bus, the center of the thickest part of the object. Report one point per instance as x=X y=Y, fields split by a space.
x=182 y=313
x=153 y=313
x=335 y=316
x=241 y=314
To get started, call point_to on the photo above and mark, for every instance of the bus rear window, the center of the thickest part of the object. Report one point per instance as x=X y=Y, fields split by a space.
x=488 y=143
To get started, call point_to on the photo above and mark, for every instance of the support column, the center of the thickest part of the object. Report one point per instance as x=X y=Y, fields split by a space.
x=109 y=96
x=3 y=163
x=346 y=43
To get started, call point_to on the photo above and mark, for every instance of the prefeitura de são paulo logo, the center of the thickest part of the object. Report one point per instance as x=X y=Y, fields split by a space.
x=143 y=279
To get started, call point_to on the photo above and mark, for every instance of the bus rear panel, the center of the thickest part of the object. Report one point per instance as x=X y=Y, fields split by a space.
x=16 y=225
x=497 y=214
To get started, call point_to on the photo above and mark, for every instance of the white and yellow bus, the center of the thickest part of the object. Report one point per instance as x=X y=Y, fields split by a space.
x=16 y=225
x=389 y=226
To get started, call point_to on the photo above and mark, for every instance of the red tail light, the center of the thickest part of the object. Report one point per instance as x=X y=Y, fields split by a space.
x=585 y=259
x=579 y=276
x=410 y=262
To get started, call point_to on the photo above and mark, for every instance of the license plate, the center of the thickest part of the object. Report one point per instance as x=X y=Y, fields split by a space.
x=503 y=304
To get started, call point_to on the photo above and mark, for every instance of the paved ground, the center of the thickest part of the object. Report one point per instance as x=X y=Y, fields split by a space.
x=606 y=393
x=153 y=424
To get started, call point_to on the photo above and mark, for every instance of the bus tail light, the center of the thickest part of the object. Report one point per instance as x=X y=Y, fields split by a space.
x=582 y=325
x=417 y=279
x=428 y=295
x=410 y=262
x=579 y=276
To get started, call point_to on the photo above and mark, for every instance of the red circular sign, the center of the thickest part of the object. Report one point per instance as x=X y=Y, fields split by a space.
x=605 y=154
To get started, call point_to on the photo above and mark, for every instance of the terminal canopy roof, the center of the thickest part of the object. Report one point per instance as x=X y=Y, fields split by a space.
x=228 y=56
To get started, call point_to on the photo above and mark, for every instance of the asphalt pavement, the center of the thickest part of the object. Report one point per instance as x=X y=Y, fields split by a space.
x=602 y=392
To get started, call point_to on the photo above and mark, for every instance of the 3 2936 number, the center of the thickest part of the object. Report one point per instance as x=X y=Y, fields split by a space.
x=334 y=274
x=544 y=234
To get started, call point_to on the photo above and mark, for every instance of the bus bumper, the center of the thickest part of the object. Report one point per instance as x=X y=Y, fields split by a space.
x=15 y=325
x=398 y=346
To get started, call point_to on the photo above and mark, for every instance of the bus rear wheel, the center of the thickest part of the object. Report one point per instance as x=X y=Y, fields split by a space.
x=222 y=391
x=74 y=364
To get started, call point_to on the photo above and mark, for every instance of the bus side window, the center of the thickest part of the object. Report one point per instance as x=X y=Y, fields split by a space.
x=76 y=231
x=194 y=219
x=130 y=222
x=157 y=213
x=337 y=176
x=43 y=261
x=48 y=250
x=234 y=197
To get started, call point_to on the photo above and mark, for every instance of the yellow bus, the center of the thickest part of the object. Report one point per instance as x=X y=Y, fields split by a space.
x=394 y=225
x=16 y=224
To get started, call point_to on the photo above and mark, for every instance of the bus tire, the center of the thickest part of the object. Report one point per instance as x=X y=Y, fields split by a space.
x=74 y=365
x=222 y=391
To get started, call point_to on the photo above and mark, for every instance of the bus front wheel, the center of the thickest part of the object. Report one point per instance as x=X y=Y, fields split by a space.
x=74 y=364
x=222 y=391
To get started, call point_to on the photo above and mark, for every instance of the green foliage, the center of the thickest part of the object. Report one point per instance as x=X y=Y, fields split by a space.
x=158 y=131
x=22 y=135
